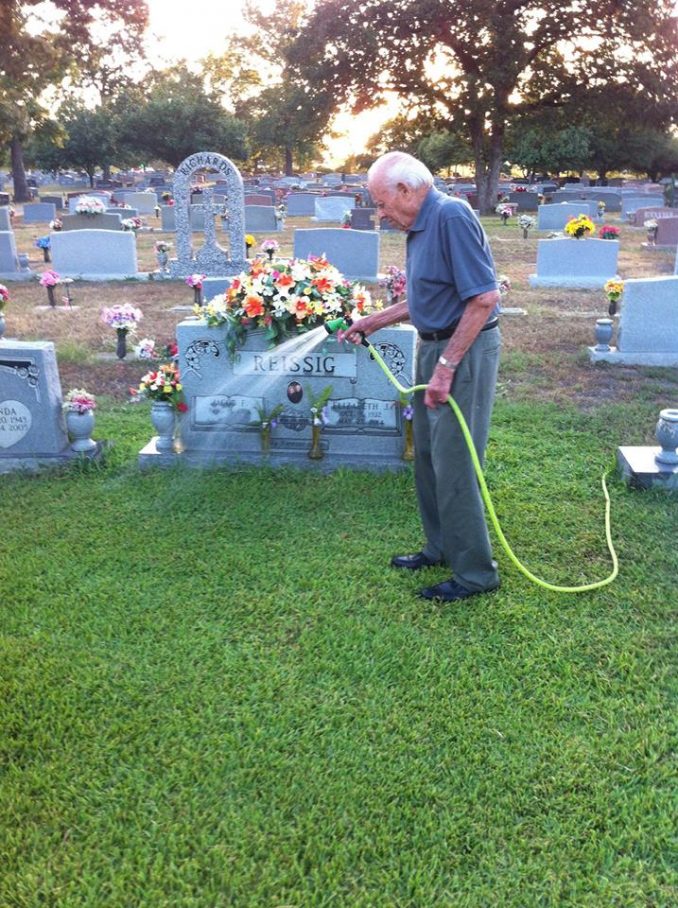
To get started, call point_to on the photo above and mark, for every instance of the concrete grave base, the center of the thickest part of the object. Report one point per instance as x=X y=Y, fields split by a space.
x=613 y=355
x=640 y=469
x=580 y=282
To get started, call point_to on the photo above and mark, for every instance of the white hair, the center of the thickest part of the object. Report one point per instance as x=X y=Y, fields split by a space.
x=399 y=167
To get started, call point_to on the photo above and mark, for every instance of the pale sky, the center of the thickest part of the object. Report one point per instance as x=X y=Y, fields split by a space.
x=194 y=29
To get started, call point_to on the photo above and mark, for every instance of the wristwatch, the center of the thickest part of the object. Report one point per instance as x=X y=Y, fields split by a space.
x=445 y=362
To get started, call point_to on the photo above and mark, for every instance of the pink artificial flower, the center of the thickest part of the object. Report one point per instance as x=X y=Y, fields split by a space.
x=50 y=279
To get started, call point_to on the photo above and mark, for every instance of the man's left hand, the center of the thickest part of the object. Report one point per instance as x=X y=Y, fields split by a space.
x=439 y=387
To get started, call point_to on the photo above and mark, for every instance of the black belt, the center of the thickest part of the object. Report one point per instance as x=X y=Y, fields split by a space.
x=449 y=331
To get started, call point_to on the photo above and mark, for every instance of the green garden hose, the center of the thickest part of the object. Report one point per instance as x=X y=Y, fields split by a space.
x=488 y=501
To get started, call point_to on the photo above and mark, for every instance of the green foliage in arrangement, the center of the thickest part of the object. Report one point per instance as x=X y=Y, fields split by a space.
x=216 y=692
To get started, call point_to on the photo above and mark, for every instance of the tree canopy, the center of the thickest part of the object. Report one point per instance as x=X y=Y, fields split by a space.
x=40 y=42
x=475 y=66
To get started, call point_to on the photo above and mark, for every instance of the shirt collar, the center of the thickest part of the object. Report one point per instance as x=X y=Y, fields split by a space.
x=425 y=210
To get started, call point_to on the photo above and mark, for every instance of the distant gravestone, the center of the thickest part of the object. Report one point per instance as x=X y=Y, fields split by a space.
x=261 y=219
x=102 y=195
x=214 y=286
x=526 y=201
x=39 y=213
x=95 y=255
x=210 y=259
x=144 y=202
x=333 y=208
x=648 y=324
x=32 y=427
x=640 y=215
x=631 y=203
x=354 y=252
x=168 y=219
x=91 y=222
x=557 y=214
x=301 y=204
x=363 y=218
x=259 y=198
x=13 y=267
x=667 y=232
x=575 y=263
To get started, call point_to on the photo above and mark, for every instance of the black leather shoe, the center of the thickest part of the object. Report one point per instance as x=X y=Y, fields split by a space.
x=413 y=562
x=450 y=591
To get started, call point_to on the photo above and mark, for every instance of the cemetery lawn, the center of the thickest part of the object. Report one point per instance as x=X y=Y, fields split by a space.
x=215 y=692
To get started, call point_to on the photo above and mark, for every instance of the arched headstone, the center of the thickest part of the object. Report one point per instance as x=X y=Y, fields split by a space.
x=211 y=258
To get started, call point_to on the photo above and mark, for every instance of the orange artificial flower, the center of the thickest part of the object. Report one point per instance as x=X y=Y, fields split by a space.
x=253 y=306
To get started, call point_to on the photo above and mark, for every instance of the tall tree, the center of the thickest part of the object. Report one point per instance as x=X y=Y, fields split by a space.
x=40 y=41
x=286 y=120
x=474 y=65
x=178 y=118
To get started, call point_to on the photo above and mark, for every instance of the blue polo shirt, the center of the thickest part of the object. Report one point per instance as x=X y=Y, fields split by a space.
x=448 y=262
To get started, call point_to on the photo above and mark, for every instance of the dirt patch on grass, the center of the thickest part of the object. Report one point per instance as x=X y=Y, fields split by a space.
x=545 y=351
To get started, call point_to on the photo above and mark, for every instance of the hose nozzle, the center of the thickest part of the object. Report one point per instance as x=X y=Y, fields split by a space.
x=338 y=324
x=343 y=323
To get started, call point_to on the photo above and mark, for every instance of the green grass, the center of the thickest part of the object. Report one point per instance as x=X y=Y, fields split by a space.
x=215 y=692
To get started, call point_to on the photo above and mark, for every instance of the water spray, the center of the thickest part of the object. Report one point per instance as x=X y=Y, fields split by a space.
x=341 y=324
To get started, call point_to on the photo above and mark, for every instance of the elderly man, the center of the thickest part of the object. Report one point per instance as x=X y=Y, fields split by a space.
x=453 y=302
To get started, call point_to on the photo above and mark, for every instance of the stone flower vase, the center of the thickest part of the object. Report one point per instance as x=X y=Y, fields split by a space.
x=315 y=452
x=121 y=344
x=408 y=449
x=80 y=427
x=603 y=334
x=667 y=436
x=163 y=417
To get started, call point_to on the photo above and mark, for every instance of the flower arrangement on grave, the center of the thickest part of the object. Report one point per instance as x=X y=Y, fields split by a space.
x=195 y=281
x=504 y=211
x=50 y=279
x=270 y=246
x=79 y=401
x=249 y=242
x=394 y=282
x=504 y=282
x=56 y=224
x=131 y=224
x=146 y=349
x=608 y=232
x=613 y=290
x=163 y=385
x=651 y=226
x=124 y=318
x=319 y=419
x=90 y=206
x=526 y=223
x=578 y=227
x=284 y=298
x=44 y=243
x=268 y=420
